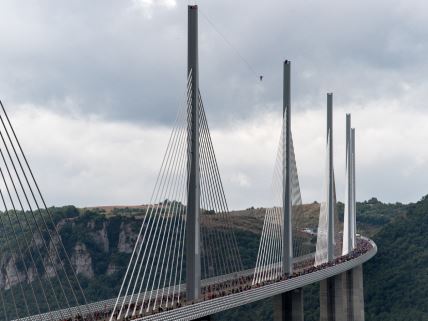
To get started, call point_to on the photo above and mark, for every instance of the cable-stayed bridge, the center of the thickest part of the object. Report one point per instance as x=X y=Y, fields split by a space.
x=185 y=264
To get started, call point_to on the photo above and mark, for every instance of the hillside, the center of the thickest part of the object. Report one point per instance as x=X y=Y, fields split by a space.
x=100 y=240
x=396 y=280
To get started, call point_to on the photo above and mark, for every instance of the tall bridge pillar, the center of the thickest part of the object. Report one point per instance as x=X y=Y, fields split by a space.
x=193 y=255
x=342 y=296
x=288 y=306
x=354 y=294
x=348 y=220
x=354 y=199
x=333 y=298
x=287 y=232
x=330 y=182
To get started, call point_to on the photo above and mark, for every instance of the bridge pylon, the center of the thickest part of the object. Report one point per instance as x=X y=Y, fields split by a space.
x=330 y=181
x=328 y=248
x=193 y=248
x=354 y=198
x=349 y=222
x=288 y=306
x=287 y=233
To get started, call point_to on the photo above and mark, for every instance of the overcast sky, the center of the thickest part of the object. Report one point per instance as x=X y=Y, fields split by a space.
x=93 y=88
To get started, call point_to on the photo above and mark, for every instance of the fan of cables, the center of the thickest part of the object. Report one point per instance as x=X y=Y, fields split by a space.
x=155 y=277
x=38 y=281
x=269 y=257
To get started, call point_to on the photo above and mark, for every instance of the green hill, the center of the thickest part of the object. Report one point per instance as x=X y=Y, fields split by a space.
x=396 y=280
x=100 y=240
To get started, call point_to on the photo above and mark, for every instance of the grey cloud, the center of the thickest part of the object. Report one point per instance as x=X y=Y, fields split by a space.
x=110 y=58
x=126 y=64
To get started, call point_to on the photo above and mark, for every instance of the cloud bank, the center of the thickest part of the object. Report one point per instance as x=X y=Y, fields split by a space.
x=94 y=88
x=91 y=161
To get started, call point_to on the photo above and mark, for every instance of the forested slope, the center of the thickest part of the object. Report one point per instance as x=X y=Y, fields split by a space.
x=396 y=280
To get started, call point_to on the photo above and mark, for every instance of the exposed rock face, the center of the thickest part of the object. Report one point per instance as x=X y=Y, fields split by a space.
x=127 y=238
x=51 y=261
x=101 y=238
x=91 y=242
x=10 y=275
x=112 y=268
x=31 y=274
x=82 y=260
x=36 y=240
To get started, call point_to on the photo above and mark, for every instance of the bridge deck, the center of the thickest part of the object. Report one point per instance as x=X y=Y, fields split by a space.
x=110 y=303
x=201 y=309
x=222 y=303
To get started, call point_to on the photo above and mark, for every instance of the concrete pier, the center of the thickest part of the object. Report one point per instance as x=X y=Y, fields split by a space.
x=333 y=298
x=354 y=294
x=288 y=306
x=342 y=297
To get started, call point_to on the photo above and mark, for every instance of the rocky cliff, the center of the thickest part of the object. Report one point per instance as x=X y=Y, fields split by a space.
x=97 y=244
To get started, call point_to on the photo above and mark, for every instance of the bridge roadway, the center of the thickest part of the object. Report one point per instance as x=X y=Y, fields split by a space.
x=110 y=303
x=218 y=304
x=204 y=308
